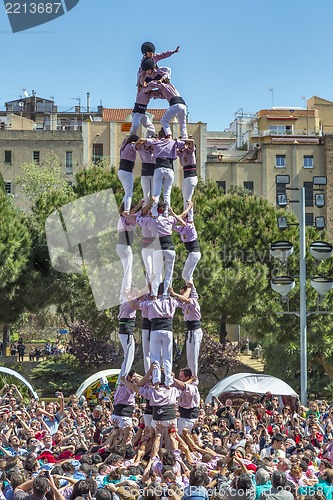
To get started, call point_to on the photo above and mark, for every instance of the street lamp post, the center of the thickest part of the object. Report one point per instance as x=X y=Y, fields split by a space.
x=302 y=299
x=284 y=284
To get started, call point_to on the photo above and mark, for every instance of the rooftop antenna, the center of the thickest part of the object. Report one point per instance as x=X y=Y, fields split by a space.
x=304 y=98
x=25 y=93
x=78 y=99
x=272 y=93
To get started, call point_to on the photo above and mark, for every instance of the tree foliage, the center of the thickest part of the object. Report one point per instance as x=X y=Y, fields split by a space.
x=40 y=180
x=214 y=355
x=89 y=349
x=62 y=373
x=235 y=231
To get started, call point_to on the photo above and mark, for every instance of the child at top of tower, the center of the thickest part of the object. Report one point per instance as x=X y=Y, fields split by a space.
x=148 y=51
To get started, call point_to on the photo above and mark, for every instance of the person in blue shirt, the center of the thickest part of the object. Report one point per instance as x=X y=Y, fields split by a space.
x=262 y=482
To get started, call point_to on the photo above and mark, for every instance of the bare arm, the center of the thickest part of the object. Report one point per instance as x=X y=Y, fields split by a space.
x=183 y=385
x=182 y=298
x=62 y=403
x=177 y=217
x=145 y=379
x=187 y=209
x=19 y=395
x=133 y=387
x=26 y=486
x=56 y=493
x=130 y=217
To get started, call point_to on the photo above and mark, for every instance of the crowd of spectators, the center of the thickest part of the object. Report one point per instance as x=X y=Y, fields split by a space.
x=58 y=450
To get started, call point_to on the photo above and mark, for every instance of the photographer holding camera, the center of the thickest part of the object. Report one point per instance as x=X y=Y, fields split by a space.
x=40 y=487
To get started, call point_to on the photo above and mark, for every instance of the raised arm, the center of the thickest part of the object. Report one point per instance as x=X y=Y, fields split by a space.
x=187 y=209
x=130 y=385
x=181 y=298
x=177 y=217
x=145 y=379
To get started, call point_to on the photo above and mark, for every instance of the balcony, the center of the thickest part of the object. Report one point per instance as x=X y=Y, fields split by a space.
x=288 y=133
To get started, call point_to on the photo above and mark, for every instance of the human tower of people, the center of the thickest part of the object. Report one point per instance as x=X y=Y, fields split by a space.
x=158 y=221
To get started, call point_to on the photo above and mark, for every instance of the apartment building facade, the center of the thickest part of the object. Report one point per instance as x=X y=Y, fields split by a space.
x=279 y=141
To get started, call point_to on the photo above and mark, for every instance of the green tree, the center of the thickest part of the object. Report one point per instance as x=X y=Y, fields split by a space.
x=235 y=232
x=15 y=255
x=40 y=180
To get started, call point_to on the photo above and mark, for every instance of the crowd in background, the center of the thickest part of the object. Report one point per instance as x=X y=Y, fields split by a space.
x=59 y=450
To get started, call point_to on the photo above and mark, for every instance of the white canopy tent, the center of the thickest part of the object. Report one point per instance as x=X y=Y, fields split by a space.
x=114 y=372
x=257 y=383
x=13 y=373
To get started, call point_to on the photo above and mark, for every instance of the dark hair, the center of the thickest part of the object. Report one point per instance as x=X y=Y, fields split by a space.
x=115 y=474
x=16 y=479
x=40 y=486
x=58 y=470
x=134 y=470
x=187 y=372
x=160 y=289
x=244 y=482
x=279 y=479
x=86 y=459
x=148 y=63
x=11 y=462
x=168 y=458
x=129 y=452
x=169 y=474
x=118 y=450
x=198 y=476
x=103 y=494
x=31 y=464
x=131 y=138
x=277 y=437
x=80 y=488
x=92 y=485
x=328 y=473
x=96 y=458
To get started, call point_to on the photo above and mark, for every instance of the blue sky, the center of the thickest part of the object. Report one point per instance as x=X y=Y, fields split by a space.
x=231 y=54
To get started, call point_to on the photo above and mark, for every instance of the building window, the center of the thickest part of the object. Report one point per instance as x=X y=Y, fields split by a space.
x=8 y=187
x=8 y=156
x=97 y=152
x=221 y=185
x=308 y=161
x=280 y=129
x=249 y=185
x=69 y=162
x=36 y=156
x=280 y=161
x=308 y=194
x=309 y=219
x=280 y=189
